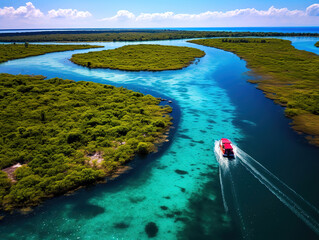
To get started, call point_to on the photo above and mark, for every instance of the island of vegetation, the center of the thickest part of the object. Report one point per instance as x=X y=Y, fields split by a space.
x=58 y=135
x=131 y=35
x=15 y=51
x=143 y=57
x=317 y=44
x=289 y=76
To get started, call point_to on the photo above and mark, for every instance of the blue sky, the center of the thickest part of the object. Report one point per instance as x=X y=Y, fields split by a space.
x=164 y=13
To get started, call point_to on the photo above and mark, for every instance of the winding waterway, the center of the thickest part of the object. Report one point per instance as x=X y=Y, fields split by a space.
x=179 y=187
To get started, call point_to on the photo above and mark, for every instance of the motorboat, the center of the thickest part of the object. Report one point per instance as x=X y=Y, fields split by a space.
x=226 y=148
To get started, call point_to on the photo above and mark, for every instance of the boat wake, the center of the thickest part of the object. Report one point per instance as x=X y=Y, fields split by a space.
x=296 y=203
x=225 y=174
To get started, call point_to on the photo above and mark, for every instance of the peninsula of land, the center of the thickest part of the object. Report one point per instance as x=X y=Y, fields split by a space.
x=289 y=76
x=15 y=51
x=143 y=57
x=58 y=135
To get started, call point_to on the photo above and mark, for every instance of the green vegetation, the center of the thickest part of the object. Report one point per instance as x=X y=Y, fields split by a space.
x=14 y=51
x=68 y=134
x=140 y=58
x=131 y=35
x=317 y=44
x=290 y=76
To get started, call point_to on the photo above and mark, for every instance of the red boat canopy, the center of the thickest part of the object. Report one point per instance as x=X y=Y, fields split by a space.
x=225 y=140
x=228 y=146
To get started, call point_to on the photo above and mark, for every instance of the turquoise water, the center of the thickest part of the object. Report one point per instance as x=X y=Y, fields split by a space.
x=179 y=187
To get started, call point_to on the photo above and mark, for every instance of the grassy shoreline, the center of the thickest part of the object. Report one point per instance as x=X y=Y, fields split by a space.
x=143 y=57
x=290 y=77
x=66 y=135
x=16 y=51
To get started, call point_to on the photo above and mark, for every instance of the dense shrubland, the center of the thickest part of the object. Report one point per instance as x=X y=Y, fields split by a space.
x=131 y=35
x=14 y=51
x=290 y=76
x=52 y=126
x=143 y=57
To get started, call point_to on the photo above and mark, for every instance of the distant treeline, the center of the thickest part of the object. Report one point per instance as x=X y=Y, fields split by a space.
x=132 y=35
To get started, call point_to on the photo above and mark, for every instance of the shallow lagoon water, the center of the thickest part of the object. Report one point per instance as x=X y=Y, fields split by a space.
x=179 y=188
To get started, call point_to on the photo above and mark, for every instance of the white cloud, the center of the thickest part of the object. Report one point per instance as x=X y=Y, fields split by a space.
x=27 y=11
x=68 y=13
x=155 y=16
x=30 y=11
x=313 y=10
x=124 y=15
x=24 y=17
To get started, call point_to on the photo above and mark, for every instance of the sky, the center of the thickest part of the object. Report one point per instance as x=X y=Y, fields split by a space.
x=19 y=14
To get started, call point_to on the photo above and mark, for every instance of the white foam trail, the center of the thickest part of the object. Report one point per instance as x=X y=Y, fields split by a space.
x=225 y=169
x=234 y=193
x=222 y=187
x=296 y=203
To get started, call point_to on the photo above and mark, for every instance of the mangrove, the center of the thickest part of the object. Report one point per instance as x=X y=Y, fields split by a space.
x=142 y=57
x=15 y=51
x=289 y=76
x=58 y=135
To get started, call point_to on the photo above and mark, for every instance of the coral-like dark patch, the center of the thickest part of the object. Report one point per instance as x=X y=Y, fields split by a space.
x=121 y=225
x=200 y=141
x=137 y=199
x=151 y=229
x=184 y=130
x=161 y=167
x=205 y=217
x=211 y=121
x=182 y=189
x=195 y=114
x=207 y=174
x=182 y=172
x=193 y=110
x=167 y=197
x=86 y=211
x=192 y=144
x=184 y=136
x=203 y=131
x=170 y=215
x=211 y=166
x=178 y=213
x=164 y=208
